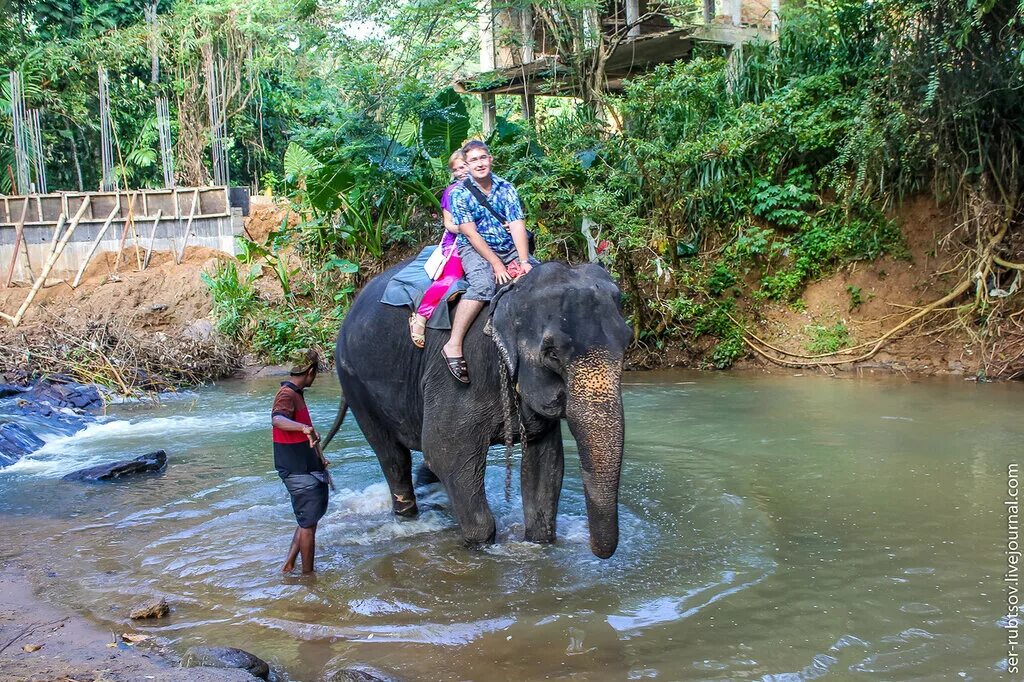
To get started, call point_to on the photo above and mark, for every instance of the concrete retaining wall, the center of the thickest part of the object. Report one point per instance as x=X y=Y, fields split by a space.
x=214 y=225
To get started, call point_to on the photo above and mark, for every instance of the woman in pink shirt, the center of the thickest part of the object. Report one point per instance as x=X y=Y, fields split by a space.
x=452 y=270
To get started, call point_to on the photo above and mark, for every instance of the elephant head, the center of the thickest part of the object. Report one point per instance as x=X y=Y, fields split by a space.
x=560 y=330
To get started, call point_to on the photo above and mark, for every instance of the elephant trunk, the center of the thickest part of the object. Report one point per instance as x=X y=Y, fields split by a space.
x=594 y=412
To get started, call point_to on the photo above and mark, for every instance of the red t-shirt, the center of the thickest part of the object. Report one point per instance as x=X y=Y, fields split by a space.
x=289 y=403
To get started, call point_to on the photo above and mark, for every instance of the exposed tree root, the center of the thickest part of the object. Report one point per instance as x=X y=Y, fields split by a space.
x=977 y=278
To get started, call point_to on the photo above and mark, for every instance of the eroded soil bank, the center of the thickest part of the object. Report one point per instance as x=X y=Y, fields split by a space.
x=154 y=329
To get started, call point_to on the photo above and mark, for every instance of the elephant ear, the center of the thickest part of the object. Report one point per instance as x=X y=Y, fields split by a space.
x=502 y=324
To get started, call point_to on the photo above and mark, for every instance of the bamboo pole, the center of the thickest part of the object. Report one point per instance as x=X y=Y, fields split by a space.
x=188 y=226
x=28 y=260
x=96 y=243
x=51 y=259
x=19 y=231
x=128 y=223
x=152 y=238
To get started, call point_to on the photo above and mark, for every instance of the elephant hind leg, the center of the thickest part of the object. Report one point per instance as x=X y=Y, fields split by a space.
x=396 y=463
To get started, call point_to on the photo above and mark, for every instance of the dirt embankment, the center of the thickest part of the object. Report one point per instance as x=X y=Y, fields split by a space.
x=164 y=296
x=867 y=299
x=168 y=302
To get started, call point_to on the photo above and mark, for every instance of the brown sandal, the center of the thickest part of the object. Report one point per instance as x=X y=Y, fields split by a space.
x=457 y=366
x=418 y=330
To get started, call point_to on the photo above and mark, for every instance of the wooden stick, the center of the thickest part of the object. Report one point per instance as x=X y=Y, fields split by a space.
x=19 y=231
x=188 y=226
x=28 y=260
x=152 y=238
x=61 y=219
x=327 y=473
x=51 y=259
x=124 y=232
x=96 y=243
x=135 y=240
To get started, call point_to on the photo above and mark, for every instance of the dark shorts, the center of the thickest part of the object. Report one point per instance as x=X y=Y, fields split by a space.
x=309 y=497
x=480 y=274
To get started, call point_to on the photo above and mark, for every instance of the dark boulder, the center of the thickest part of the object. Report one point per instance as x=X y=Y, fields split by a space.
x=154 y=608
x=64 y=420
x=7 y=390
x=152 y=462
x=61 y=395
x=15 y=442
x=360 y=673
x=225 y=657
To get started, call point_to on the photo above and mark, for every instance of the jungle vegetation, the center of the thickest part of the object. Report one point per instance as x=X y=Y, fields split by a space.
x=710 y=186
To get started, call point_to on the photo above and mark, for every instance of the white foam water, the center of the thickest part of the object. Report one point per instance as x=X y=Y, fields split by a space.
x=110 y=440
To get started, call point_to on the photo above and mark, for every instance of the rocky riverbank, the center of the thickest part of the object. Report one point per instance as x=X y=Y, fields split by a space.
x=42 y=642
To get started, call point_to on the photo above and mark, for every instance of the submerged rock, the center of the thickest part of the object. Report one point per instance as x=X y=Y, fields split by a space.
x=15 y=442
x=7 y=390
x=360 y=673
x=156 y=608
x=72 y=395
x=152 y=462
x=225 y=657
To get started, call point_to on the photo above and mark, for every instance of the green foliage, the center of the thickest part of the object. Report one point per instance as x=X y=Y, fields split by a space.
x=856 y=298
x=709 y=183
x=233 y=297
x=784 y=204
x=830 y=238
x=720 y=279
x=444 y=125
x=827 y=339
x=279 y=331
x=272 y=330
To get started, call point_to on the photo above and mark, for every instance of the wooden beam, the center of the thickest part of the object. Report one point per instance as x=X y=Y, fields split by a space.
x=188 y=226
x=19 y=233
x=485 y=26
x=526 y=33
x=632 y=17
x=129 y=225
x=152 y=238
x=528 y=103
x=96 y=243
x=51 y=259
x=490 y=113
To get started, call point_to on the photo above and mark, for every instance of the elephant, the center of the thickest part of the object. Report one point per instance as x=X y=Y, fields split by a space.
x=560 y=333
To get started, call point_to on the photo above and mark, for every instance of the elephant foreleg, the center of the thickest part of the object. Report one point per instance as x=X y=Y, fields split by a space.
x=462 y=474
x=541 y=480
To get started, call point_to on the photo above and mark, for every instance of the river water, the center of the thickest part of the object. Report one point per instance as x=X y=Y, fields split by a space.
x=774 y=528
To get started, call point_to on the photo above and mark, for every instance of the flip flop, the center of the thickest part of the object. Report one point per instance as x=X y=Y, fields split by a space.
x=419 y=338
x=457 y=366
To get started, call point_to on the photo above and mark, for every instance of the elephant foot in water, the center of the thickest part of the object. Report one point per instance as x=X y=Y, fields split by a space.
x=404 y=506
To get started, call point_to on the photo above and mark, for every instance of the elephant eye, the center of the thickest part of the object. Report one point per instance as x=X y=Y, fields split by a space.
x=549 y=356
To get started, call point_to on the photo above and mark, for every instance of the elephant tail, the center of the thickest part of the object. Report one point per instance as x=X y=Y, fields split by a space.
x=342 y=409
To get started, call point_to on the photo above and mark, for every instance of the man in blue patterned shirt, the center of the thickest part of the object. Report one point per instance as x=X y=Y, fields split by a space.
x=489 y=247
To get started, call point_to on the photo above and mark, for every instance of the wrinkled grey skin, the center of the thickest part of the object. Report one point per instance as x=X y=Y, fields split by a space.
x=563 y=335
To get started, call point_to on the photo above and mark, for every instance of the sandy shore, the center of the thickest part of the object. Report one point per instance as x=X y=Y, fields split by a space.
x=73 y=649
